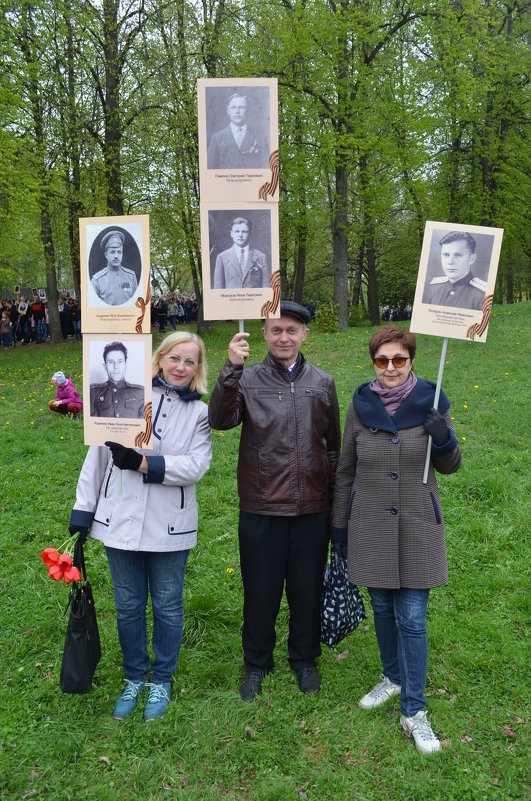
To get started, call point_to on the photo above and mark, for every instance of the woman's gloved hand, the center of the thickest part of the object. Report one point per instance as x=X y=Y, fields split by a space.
x=124 y=458
x=81 y=530
x=435 y=425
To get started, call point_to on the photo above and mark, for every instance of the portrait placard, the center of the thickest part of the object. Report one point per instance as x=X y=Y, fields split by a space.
x=114 y=259
x=456 y=280
x=117 y=389
x=239 y=246
x=238 y=139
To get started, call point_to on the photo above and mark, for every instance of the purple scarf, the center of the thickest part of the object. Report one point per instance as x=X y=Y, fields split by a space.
x=394 y=397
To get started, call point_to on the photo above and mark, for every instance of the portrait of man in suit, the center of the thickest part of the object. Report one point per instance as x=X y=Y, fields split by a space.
x=241 y=266
x=243 y=143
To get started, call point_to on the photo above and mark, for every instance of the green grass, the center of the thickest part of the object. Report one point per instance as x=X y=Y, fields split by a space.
x=284 y=746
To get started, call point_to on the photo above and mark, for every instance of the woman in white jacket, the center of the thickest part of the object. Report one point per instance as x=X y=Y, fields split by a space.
x=148 y=520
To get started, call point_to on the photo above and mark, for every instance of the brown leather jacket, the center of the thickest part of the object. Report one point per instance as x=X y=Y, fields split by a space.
x=290 y=439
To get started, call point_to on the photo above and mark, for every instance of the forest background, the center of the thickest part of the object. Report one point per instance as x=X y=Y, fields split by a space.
x=390 y=113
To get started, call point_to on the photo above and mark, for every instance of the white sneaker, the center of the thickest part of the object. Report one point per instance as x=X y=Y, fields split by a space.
x=420 y=728
x=382 y=692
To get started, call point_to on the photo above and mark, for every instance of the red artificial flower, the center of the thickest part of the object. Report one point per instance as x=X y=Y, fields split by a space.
x=50 y=556
x=72 y=574
x=65 y=561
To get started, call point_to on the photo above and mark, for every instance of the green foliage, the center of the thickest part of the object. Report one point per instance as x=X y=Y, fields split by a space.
x=284 y=746
x=326 y=318
x=358 y=315
x=389 y=113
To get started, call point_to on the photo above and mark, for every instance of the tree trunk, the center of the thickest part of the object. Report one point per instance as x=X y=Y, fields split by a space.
x=372 y=280
x=111 y=109
x=339 y=244
x=28 y=34
x=357 y=296
x=73 y=171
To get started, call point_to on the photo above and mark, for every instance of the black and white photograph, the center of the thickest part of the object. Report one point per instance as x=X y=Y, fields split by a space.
x=456 y=280
x=114 y=259
x=115 y=265
x=240 y=260
x=117 y=379
x=238 y=139
x=240 y=249
x=237 y=123
x=458 y=268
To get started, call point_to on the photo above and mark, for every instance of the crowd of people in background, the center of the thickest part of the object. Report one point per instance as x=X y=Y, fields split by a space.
x=173 y=310
x=396 y=312
x=24 y=321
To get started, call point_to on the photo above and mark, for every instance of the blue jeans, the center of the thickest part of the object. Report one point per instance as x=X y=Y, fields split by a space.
x=400 y=623
x=132 y=572
x=77 y=328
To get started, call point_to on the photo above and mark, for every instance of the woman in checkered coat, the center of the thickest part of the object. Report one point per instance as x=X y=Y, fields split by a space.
x=391 y=524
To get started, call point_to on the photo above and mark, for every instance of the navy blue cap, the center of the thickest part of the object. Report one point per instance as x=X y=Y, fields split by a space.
x=292 y=309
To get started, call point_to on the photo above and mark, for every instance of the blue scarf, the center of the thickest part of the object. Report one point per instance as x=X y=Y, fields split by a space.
x=183 y=392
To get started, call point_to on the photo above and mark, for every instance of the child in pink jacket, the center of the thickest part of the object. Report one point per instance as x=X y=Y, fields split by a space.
x=67 y=400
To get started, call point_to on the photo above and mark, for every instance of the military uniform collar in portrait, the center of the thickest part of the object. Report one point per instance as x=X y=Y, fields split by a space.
x=467 y=292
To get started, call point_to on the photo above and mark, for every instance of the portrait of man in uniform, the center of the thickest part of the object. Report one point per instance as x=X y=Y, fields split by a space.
x=460 y=286
x=116 y=283
x=116 y=397
x=238 y=128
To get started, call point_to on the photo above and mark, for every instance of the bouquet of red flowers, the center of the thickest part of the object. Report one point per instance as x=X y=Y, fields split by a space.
x=60 y=565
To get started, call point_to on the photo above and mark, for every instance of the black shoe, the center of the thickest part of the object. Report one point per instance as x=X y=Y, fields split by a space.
x=251 y=685
x=308 y=678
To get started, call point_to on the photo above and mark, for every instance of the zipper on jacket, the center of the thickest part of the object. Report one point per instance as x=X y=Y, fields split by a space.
x=108 y=479
x=292 y=391
x=182 y=497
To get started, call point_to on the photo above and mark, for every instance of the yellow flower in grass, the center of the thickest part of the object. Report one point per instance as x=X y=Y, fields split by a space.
x=230 y=570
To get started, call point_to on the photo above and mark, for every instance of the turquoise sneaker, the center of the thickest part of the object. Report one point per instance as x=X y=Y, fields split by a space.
x=128 y=699
x=158 y=699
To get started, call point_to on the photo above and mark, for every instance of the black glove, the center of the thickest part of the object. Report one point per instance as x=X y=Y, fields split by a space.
x=340 y=547
x=83 y=533
x=435 y=425
x=125 y=458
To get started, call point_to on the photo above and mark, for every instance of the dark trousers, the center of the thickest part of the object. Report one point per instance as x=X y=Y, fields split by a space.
x=274 y=551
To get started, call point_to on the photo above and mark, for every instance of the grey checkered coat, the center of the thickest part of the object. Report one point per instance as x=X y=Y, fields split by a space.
x=394 y=521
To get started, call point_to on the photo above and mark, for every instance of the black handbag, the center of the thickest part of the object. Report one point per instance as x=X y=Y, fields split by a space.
x=82 y=649
x=342 y=608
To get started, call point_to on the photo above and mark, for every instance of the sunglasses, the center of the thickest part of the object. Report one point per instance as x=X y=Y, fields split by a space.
x=383 y=361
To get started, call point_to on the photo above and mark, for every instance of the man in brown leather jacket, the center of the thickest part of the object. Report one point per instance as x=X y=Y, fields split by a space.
x=289 y=448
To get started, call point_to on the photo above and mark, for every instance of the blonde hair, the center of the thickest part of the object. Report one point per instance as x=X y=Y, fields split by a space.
x=199 y=381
